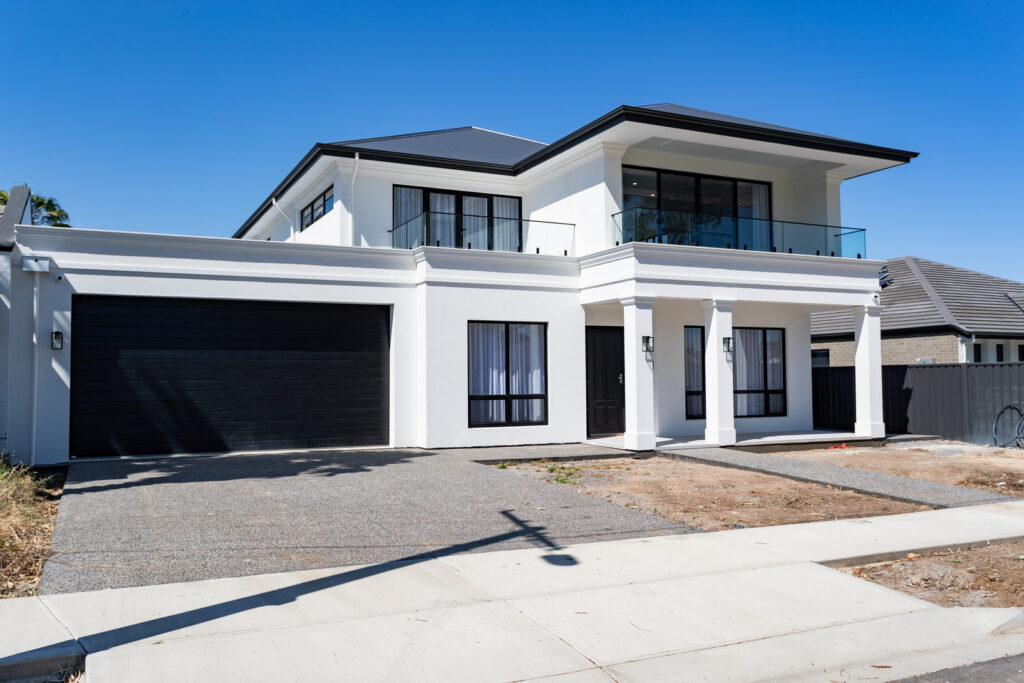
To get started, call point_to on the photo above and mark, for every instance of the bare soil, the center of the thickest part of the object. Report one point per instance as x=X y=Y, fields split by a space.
x=988 y=576
x=986 y=468
x=708 y=497
x=28 y=510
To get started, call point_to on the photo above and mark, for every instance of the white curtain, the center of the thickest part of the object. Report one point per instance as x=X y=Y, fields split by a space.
x=487 y=371
x=407 y=205
x=442 y=220
x=474 y=223
x=693 y=369
x=526 y=367
x=748 y=371
x=506 y=224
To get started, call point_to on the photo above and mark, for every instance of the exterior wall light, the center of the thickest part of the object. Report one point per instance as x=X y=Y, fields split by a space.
x=647 y=344
x=56 y=340
x=728 y=344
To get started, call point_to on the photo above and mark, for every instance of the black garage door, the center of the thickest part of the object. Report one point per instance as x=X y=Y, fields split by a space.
x=154 y=375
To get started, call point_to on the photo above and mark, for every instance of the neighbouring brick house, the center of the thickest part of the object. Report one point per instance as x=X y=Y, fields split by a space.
x=932 y=313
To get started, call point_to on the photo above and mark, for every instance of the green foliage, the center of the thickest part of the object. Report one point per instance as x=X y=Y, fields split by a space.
x=45 y=210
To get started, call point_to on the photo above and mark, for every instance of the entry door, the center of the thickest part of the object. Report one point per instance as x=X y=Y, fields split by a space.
x=606 y=398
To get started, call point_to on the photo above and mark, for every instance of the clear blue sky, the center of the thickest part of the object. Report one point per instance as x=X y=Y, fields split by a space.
x=181 y=117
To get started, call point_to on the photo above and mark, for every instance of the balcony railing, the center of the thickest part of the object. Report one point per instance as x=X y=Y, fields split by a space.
x=755 y=234
x=487 y=233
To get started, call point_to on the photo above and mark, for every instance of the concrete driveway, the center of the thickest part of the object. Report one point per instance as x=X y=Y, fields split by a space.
x=141 y=522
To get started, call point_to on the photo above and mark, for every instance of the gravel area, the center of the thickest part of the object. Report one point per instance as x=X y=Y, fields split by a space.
x=875 y=483
x=140 y=522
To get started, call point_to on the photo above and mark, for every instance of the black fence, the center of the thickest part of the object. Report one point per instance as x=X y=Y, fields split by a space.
x=957 y=401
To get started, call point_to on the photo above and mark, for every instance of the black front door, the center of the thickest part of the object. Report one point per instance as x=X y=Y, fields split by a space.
x=606 y=404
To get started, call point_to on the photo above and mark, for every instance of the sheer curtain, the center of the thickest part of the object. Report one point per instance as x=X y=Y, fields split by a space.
x=442 y=220
x=474 y=222
x=407 y=205
x=693 y=368
x=748 y=371
x=753 y=201
x=506 y=224
x=526 y=370
x=487 y=372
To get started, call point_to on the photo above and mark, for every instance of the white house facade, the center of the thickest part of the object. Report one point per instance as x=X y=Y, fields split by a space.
x=650 y=275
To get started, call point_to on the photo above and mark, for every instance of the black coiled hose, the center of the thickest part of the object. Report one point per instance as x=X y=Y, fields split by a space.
x=1014 y=413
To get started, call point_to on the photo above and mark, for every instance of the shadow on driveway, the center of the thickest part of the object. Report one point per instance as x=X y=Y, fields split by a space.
x=141 y=522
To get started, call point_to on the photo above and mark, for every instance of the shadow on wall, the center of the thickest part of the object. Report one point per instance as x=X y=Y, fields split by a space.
x=144 y=630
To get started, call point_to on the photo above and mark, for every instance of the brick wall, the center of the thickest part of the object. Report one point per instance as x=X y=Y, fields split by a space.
x=898 y=350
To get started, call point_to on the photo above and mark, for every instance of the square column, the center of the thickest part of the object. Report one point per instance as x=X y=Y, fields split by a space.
x=638 y=322
x=720 y=414
x=867 y=341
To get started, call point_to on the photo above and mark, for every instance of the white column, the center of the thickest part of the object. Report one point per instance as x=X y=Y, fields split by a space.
x=867 y=341
x=638 y=322
x=720 y=424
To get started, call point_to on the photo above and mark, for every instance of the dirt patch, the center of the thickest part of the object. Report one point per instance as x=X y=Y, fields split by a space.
x=708 y=497
x=28 y=509
x=986 y=468
x=989 y=576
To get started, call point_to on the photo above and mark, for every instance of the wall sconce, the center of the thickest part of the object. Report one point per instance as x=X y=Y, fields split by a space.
x=647 y=344
x=56 y=340
x=728 y=344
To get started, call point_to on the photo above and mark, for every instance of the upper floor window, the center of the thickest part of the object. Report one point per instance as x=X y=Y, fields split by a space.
x=317 y=208
x=447 y=218
x=645 y=188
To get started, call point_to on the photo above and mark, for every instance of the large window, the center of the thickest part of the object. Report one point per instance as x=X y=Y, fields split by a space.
x=693 y=193
x=449 y=218
x=507 y=374
x=759 y=372
x=693 y=359
x=317 y=208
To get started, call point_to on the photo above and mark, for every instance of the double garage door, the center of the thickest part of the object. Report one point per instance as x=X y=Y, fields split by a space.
x=152 y=375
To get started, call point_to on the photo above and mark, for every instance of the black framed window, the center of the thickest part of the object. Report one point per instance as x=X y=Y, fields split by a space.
x=317 y=208
x=1020 y=353
x=759 y=372
x=460 y=219
x=693 y=369
x=820 y=358
x=650 y=188
x=507 y=374
x=999 y=353
x=977 y=353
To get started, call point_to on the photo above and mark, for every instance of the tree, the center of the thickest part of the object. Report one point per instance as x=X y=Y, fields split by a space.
x=45 y=211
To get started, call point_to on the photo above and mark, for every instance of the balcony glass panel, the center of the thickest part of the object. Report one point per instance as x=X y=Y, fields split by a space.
x=750 y=233
x=487 y=233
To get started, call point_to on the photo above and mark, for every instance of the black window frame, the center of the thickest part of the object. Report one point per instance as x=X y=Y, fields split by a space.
x=697 y=189
x=821 y=353
x=1020 y=353
x=977 y=353
x=508 y=397
x=322 y=197
x=687 y=393
x=766 y=392
x=459 y=194
x=1000 y=353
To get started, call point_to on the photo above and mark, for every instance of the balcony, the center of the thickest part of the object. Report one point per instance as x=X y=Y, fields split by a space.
x=488 y=233
x=755 y=234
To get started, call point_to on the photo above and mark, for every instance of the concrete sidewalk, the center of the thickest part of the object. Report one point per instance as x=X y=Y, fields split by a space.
x=749 y=604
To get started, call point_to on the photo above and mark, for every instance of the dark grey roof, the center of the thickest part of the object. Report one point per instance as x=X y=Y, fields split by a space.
x=725 y=118
x=484 y=151
x=462 y=144
x=928 y=295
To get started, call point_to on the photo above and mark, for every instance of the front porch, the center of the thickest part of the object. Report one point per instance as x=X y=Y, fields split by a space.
x=717 y=352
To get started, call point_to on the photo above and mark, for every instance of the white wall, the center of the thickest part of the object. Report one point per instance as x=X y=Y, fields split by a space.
x=433 y=294
x=988 y=349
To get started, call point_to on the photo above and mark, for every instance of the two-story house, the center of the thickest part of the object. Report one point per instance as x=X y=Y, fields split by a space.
x=649 y=277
